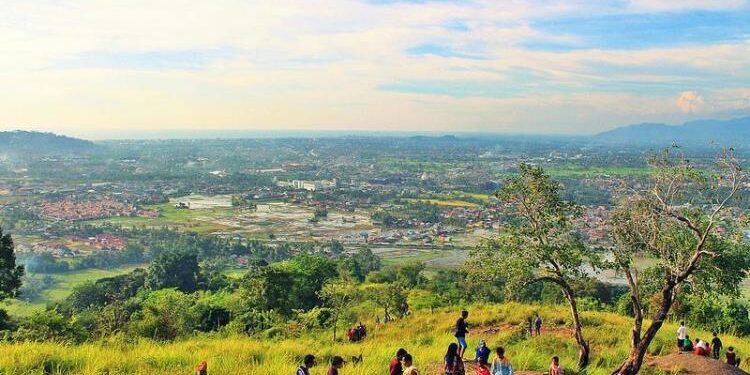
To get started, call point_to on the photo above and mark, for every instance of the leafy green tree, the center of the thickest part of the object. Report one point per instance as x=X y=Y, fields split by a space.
x=10 y=272
x=410 y=274
x=367 y=261
x=682 y=219
x=269 y=288
x=165 y=315
x=50 y=325
x=174 y=269
x=389 y=297
x=338 y=295
x=540 y=244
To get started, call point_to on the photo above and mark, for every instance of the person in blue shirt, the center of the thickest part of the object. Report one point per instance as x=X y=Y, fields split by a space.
x=483 y=352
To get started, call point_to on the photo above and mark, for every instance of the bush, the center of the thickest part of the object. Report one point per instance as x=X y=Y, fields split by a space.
x=50 y=325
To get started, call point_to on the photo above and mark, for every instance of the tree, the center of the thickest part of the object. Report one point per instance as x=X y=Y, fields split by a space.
x=389 y=297
x=10 y=273
x=540 y=244
x=682 y=219
x=338 y=295
x=165 y=315
x=174 y=269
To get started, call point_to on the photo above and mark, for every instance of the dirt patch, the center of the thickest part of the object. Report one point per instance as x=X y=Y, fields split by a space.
x=687 y=363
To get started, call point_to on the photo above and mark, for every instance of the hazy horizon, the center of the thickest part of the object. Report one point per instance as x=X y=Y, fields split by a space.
x=97 y=69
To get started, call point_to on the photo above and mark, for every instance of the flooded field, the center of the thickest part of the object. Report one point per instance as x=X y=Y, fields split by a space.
x=287 y=221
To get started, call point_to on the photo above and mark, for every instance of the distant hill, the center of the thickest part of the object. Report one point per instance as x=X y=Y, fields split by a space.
x=734 y=132
x=19 y=141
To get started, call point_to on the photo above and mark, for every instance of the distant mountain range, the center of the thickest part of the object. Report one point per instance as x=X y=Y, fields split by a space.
x=734 y=132
x=19 y=141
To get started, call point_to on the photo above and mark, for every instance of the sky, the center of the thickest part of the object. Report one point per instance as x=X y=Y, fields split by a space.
x=100 y=68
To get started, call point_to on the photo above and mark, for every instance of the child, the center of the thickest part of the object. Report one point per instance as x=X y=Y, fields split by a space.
x=202 y=368
x=409 y=363
x=732 y=359
x=482 y=368
x=501 y=363
x=555 y=368
x=336 y=363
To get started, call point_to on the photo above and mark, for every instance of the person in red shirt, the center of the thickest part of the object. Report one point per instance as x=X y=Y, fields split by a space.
x=482 y=368
x=395 y=366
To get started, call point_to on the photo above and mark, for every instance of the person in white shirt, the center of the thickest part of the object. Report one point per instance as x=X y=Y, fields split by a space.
x=681 y=334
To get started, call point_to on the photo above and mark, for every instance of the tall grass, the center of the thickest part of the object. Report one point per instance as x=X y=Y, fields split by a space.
x=424 y=334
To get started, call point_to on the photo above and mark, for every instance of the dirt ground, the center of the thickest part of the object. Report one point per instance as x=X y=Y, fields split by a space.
x=687 y=363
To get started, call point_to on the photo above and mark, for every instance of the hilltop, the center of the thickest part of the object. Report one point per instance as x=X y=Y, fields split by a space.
x=425 y=334
x=734 y=132
x=19 y=141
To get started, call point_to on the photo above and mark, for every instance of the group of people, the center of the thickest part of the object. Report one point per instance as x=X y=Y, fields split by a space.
x=500 y=365
x=702 y=348
x=402 y=364
x=309 y=362
x=357 y=333
x=534 y=325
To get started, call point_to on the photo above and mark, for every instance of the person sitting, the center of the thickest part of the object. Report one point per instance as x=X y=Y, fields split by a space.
x=700 y=347
x=350 y=334
x=454 y=365
x=687 y=345
x=501 y=363
x=555 y=368
x=395 y=367
x=336 y=363
x=482 y=368
x=483 y=352
x=732 y=359
x=409 y=363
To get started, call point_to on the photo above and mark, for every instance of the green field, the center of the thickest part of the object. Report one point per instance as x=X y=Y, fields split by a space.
x=64 y=284
x=424 y=334
x=444 y=202
x=583 y=171
x=175 y=217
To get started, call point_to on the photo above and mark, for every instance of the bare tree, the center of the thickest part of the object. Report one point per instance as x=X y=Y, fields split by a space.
x=681 y=217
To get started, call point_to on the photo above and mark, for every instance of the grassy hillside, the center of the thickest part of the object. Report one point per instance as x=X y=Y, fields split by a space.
x=424 y=334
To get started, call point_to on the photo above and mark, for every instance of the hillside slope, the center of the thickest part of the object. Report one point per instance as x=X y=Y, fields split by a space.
x=424 y=334
x=42 y=143
x=734 y=132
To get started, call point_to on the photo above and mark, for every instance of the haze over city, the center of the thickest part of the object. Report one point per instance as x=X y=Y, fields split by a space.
x=104 y=69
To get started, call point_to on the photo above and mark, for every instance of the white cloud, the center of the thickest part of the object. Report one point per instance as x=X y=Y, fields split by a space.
x=690 y=102
x=304 y=64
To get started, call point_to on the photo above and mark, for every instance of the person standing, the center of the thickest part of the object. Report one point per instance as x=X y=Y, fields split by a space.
x=538 y=325
x=395 y=367
x=307 y=363
x=681 y=335
x=530 y=323
x=462 y=328
x=716 y=346
x=336 y=363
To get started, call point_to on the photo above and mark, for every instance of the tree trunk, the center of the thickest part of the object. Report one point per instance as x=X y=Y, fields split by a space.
x=583 y=346
x=639 y=347
x=335 y=323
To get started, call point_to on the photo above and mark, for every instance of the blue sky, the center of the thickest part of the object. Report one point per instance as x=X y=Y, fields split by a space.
x=90 y=68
